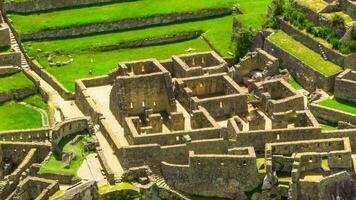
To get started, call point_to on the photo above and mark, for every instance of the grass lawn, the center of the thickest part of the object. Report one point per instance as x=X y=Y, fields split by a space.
x=37 y=101
x=109 y=13
x=315 y=5
x=303 y=53
x=103 y=62
x=328 y=127
x=295 y=84
x=259 y=162
x=219 y=34
x=118 y=186
x=254 y=13
x=339 y=104
x=17 y=116
x=54 y=164
x=15 y=82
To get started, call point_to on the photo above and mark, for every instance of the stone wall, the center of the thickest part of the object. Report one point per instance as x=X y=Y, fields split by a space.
x=152 y=41
x=345 y=86
x=107 y=170
x=68 y=127
x=26 y=135
x=51 y=80
x=4 y=36
x=349 y=7
x=11 y=58
x=124 y=24
x=17 y=94
x=331 y=115
x=8 y=70
x=303 y=73
x=44 y=5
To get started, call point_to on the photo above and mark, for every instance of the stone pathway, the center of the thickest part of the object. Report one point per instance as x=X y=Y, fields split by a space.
x=91 y=169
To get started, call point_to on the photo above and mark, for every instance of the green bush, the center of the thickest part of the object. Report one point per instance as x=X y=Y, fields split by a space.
x=338 y=20
x=242 y=40
x=352 y=45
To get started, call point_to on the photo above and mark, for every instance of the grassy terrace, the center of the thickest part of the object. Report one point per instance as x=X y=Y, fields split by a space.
x=15 y=82
x=315 y=5
x=17 y=116
x=103 y=62
x=110 y=13
x=303 y=53
x=341 y=105
x=254 y=12
x=54 y=164
x=348 y=19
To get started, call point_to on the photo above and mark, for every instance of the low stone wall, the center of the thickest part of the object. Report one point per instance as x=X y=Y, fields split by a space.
x=349 y=6
x=17 y=94
x=4 y=36
x=153 y=41
x=68 y=127
x=45 y=5
x=332 y=55
x=8 y=70
x=124 y=24
x=36 y=67
x=61 y=178
x=26 y=135
x=345 y=85
x=303 y=73
x=10 y=58
x=107 y=170
x=331 y=115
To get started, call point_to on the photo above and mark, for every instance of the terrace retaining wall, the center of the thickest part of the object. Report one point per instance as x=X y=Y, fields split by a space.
x=10 y=58
x=124 y=24
x=331 y=115
x=65 y=94
x=26 y=135
x=17 y=94
x=45 y=5
x=332 y=55
x=303 y=73
x=152 y=41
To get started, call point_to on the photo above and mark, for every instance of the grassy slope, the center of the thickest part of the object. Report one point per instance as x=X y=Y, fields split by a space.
x=15 y=82
x=37 y=101
x=54 y=164
x=305 y=54
x=254 y=12
x=342 y=105
x=103 y=62
x=110 y=12
x=17 y=116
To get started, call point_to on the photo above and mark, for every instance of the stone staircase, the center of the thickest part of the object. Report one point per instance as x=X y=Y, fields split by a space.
x=322 y=52
x=161 y=183
x=16 y=47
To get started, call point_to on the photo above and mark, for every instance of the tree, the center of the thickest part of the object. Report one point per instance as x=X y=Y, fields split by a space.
x=241 y=41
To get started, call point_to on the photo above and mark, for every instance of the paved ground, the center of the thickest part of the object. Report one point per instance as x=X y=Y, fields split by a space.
x=91 y=169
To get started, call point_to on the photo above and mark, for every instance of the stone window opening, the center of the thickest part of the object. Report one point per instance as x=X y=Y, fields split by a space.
x=222 y=163
x=244 y=163
x=142 y=68
x=131 y=105
x=221 y=104
x=278 y=137
x=339 y=157
x=201 y=84
x=177 y=138
x=143 y=104
x=154 y=103
x=310 y=160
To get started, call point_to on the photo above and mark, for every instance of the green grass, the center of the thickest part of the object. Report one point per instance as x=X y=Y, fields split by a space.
x=37 y=101
x=259 y=161
x=110 y=13
x=328 y=127
x=295 y=84
x=217 y=30
x=254 y=13
x=15 y=82
x=118 y=186
x=103 y=62
x=339 y=104
x=303 y=53
x=17 y=116
x=54 y=164
x=315 y=5
x=348 y=19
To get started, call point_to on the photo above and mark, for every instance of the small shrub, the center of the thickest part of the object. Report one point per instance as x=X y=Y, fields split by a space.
x=335 y=43
x=344 y=49
x=338 y=20
x=352 y=45
x=242 y=40
x=277 y=7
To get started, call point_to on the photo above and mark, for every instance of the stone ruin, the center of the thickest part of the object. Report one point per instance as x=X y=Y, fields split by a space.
x=345 y=85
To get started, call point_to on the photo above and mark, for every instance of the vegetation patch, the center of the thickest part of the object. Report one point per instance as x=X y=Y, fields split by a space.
x=315 y=5
x=15 y=82
x=303 y=53
x=54 y=163
x=119 y=191
x=338 y=104
x=37 y=101
x=14 y=115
